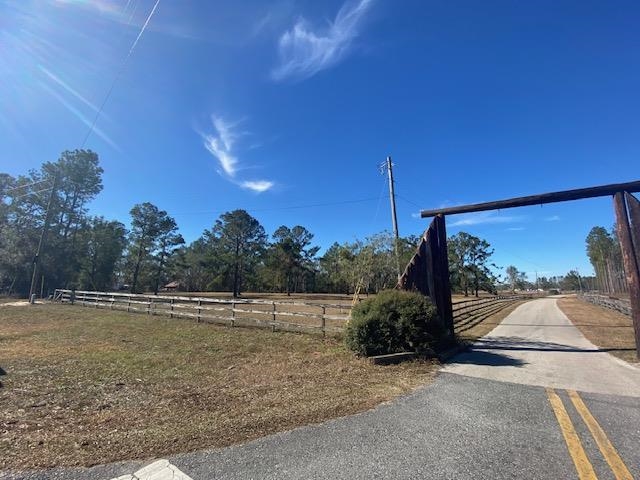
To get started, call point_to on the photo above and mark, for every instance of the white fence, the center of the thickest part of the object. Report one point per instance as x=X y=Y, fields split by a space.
x=277 y=315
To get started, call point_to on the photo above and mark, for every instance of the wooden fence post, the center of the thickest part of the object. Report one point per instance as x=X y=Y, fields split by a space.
x=630 y=261
x=233 y=313
x=171 y=314
x=324 y=320
x=273 y=314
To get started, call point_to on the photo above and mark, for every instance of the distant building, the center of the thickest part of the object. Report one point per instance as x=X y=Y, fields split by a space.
x=171 y=286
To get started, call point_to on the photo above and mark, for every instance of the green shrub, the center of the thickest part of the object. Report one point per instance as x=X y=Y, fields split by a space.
x=394 y=321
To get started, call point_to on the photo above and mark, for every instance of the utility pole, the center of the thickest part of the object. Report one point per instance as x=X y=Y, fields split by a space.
x=394 y=218
x=43 y=235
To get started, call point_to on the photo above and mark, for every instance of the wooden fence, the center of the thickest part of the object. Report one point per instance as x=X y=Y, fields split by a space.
x=469 y=313
x=276 y=315
x=620 y=305
x=291 y=316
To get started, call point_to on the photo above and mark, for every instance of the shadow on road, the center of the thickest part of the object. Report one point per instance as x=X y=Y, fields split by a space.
x=565 y=326
x=479 y=357
x=521 y=344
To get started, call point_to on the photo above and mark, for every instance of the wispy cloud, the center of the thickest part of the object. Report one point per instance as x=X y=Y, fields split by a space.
x=514 y=229
x=554 y=218
x=258 y=186
x=483 y=218
x=305 y=51
x=221 y=144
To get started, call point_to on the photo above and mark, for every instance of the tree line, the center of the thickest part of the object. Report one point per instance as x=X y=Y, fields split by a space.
x=605 y=255
x=236 y=254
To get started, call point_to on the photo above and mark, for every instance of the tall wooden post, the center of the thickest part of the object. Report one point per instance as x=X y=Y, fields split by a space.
x=443 y=291
x=631 y=266
x=633 y=205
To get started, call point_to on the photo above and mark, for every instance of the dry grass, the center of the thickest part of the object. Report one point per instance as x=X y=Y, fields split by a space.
x=85 y=386
x=603 y=327
x=482 y=328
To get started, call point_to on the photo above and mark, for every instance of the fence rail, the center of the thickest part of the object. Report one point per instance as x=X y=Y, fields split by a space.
x=469 y=313
x=278 y=315
x=292 y=316
x=620 y=305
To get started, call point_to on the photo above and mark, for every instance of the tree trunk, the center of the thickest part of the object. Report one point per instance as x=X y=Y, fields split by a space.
x=136 y=271
x=236 y=265
x=159 y=272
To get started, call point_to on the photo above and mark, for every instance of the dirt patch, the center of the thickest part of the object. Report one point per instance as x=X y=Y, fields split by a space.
x=605 y=328
x=86 y=386
x=14 y=303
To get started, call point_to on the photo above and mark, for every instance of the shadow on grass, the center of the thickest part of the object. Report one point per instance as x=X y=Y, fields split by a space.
x=2 y=372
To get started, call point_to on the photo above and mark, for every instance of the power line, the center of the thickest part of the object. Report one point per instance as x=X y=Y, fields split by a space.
x=380 y=197
x=275 y=209
x=407 y=200
x=118 y=75
x=32 y=193
x=26 y=185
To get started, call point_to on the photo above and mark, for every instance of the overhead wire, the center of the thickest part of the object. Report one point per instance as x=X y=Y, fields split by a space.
x=407 y=200
x=119 y=74
x=25 y=186
x=31 y=193
x=290 y=207
x=375 y=217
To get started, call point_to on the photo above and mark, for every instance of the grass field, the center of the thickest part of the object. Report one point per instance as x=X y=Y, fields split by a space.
x=83 y=386
x=603 y=327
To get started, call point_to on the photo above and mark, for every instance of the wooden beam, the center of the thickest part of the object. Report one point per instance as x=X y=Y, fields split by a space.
x=631 y=267
x=553 y=197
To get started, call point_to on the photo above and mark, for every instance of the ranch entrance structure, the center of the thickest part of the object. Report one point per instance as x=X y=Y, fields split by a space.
x=428 y=270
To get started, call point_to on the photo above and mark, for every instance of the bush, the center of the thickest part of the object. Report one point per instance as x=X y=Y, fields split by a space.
x=394 y=321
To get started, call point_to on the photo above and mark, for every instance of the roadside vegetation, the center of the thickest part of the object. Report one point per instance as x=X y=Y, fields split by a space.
x=82 y=386
x=395 y=321
x=605 y=328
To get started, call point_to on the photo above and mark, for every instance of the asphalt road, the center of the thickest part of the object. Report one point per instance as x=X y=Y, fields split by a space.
x=472 y=422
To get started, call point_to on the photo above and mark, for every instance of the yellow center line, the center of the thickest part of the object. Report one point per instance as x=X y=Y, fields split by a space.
x=618 y=467
x=578 y=455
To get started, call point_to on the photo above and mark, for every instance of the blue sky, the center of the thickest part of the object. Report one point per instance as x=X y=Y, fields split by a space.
x=287 y=108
